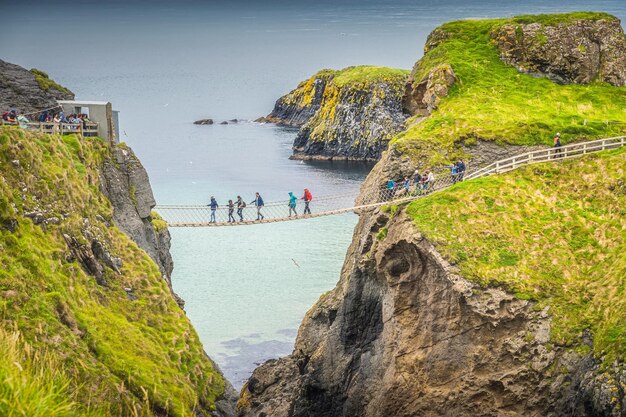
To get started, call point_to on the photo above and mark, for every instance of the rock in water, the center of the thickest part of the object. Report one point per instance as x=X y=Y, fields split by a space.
x=203 y=122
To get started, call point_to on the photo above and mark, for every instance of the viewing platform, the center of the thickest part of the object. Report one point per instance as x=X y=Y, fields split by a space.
x=101 y=120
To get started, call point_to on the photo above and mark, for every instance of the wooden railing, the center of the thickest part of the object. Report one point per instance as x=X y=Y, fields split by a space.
x=83 y=129
x=557 y=153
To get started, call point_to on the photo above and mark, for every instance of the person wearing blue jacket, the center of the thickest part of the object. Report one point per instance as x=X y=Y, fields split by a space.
x=213 y=204
x=292 y=204
x=258 y=202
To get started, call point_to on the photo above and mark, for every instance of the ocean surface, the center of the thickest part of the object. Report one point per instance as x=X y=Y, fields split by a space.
x=165 y=64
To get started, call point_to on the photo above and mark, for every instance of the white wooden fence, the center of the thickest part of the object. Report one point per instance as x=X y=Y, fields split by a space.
x=543 y=155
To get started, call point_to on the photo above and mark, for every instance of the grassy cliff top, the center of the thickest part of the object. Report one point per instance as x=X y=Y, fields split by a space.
x=491 y=100
x=104 y=353
x=554 y=233
x=366 y=74
x=46 y=83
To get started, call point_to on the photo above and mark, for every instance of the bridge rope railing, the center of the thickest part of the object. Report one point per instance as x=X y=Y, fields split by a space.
x=278 y=211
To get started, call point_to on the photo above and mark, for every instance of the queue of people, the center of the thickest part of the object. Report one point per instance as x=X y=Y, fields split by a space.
x=422 y=183
x=56 y=119
x=259 y=204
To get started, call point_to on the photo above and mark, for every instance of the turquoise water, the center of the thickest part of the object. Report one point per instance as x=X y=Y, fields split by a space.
x=165 y=64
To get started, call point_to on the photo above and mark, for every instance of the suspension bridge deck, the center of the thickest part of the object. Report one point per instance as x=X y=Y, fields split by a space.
x=201 y=216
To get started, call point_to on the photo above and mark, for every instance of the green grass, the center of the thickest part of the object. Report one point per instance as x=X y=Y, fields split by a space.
x=45 y=83
x=553 y=233
x=562 y=18
x=157 y=221
x=33 y=383
x=127 y=358
x=365 y=75
x=493 y=101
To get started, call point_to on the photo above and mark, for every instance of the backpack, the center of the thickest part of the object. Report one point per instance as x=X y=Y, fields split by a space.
x=243 y=204
x=5 y=115
x=308 y=195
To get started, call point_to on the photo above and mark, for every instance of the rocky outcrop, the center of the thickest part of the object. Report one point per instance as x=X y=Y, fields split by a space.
x=348 y=114
x=422 y=96
x=126 y=184
x=403 y=334
x=300 y=105
x=28 y=91
x=578 y=51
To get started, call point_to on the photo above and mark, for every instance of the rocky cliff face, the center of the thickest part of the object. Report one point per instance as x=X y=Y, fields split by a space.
x=576 y=51
x=403 y=334
x=347 y=114
x=125 y=183
x=28 y=91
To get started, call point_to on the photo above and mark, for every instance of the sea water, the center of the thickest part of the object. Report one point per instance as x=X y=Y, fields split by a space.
x=164 y=64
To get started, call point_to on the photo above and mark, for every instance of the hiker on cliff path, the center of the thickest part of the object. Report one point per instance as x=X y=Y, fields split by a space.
x=460 y=169
x=407 y=184
x=557 y=146
x=453 y=172
x=391 y=184
x=417 y=180
x=258 y=202
x=307 y=197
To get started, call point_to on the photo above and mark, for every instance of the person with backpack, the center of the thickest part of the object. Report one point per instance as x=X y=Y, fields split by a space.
x=460 y=169
x=391 y=184
x=557 y=146
x=213 y=204
x=9 y=116
x=407 y=184
x=240 y=206
x=258 y=202
x=307 y=197
x=231 y=209
x=417 y=180
x=293 y=201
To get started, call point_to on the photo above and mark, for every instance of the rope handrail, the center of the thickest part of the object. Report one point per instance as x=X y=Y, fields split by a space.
x=279 y=211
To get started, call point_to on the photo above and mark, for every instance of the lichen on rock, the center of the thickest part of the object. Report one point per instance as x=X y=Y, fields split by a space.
x=575 y=51
x=347 y=114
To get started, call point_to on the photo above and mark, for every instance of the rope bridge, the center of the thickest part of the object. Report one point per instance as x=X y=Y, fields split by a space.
x=200 y=216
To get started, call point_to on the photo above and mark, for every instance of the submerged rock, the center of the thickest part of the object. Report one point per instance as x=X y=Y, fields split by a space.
x=203 y=122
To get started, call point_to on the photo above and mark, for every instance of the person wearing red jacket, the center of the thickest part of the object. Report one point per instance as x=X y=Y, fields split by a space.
x=307 y=197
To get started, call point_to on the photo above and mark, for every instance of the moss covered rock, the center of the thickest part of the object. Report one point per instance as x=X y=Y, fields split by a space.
x=347 y=114
x=76 y=288
x=28 y=91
